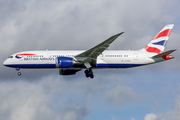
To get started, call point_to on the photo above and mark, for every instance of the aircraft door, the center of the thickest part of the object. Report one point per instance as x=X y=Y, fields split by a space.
x=48 y=58
x=135 y=56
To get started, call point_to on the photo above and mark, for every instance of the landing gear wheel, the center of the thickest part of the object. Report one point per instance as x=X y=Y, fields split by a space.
x=89 y=73
x=86 y=71
x=91 y=76
x=19 y=73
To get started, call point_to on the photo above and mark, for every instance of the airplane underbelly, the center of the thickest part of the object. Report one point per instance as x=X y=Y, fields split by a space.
x=117 y=63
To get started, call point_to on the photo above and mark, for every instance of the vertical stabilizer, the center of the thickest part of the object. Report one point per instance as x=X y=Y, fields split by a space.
x=158 y=43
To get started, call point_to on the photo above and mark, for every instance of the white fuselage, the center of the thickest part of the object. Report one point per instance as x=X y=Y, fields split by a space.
x=108 y=59
x=97 y=57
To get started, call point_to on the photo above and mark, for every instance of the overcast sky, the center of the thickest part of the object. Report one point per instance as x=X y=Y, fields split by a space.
x=145 y=93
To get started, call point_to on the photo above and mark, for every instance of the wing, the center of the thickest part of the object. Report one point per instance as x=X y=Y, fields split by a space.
x=88 y=57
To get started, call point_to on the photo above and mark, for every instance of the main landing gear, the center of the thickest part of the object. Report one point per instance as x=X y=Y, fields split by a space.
x=89 y=73
x=19 y=73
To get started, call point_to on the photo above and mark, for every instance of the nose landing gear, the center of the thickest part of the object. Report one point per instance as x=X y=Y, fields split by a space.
x=19 y=73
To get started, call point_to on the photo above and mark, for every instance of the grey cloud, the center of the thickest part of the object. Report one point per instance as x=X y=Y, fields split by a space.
x=50 y=98
x=121 y=95
x=21 y=100
x=74 y=112
x=173 y=114
x=33 y=100
x=151 y=116
x=170 y=115
x=49 y=25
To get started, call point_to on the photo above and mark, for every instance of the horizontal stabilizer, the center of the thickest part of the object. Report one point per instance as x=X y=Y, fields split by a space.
x=163 y=54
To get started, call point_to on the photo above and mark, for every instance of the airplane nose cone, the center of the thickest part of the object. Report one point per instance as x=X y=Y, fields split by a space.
x=5 y=63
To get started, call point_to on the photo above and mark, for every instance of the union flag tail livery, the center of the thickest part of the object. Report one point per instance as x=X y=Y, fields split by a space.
x=158 y=43
x=97 y=57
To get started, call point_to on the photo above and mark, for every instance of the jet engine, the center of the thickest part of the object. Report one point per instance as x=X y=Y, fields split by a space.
x=67 y=71
x=64 y=62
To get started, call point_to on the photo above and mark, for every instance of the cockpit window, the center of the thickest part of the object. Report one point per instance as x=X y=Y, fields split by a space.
x=10 y=56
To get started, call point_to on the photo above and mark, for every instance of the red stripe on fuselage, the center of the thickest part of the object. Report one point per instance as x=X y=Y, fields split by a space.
x=25 y=54
x=164 y=33
x=153 y=49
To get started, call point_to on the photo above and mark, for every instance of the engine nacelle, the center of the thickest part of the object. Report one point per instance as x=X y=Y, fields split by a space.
x=64 y=62
x=67 y=72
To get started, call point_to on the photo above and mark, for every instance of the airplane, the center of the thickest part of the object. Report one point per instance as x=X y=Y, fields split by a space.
x=98 y=57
